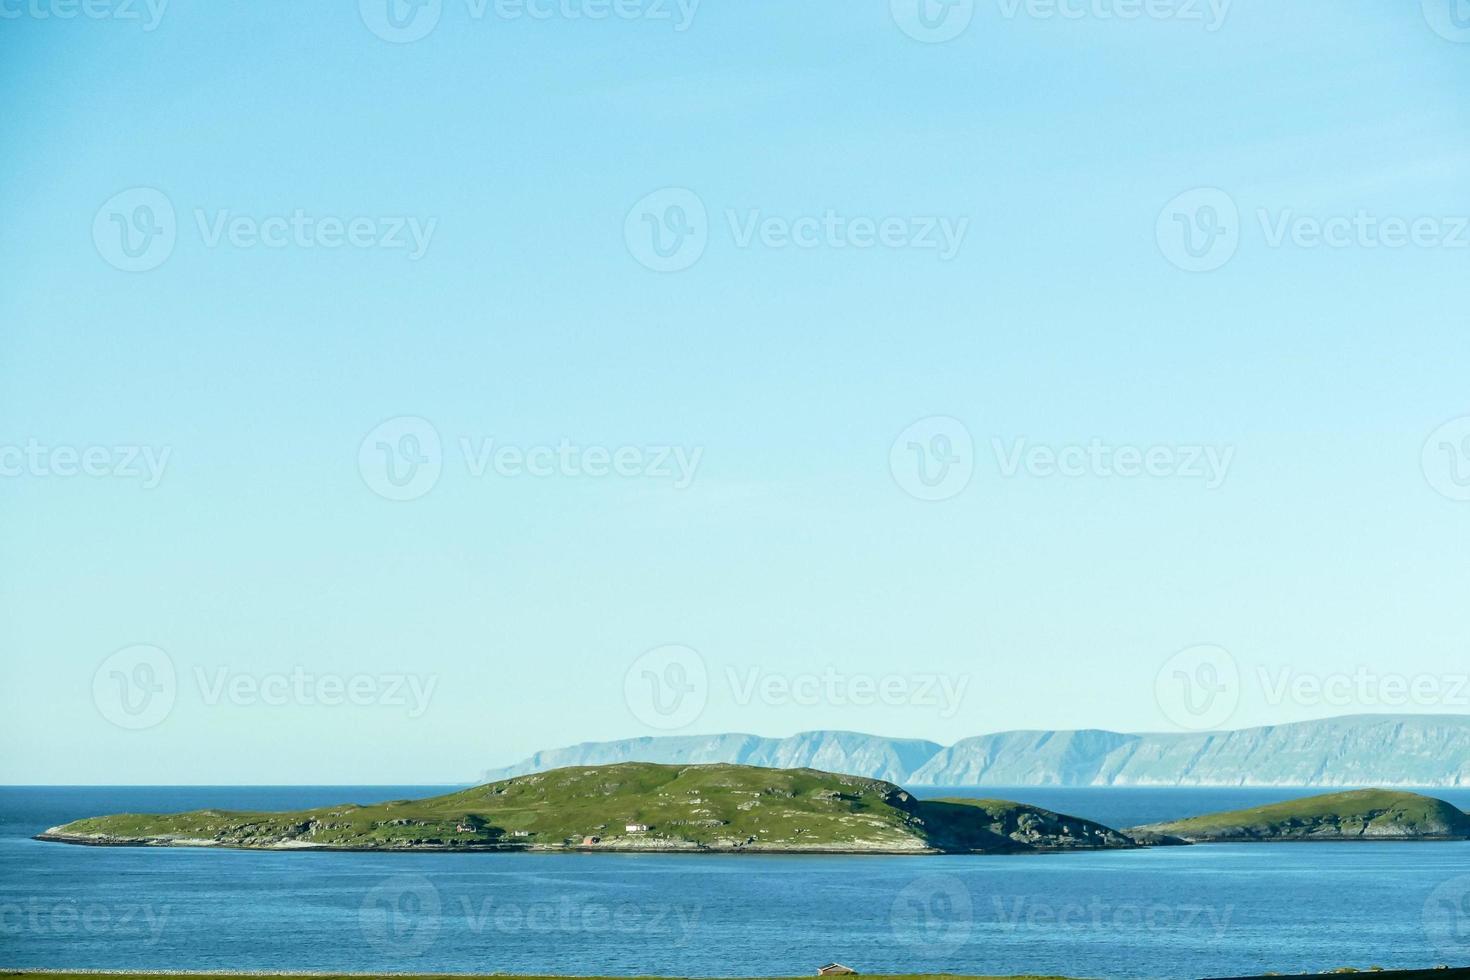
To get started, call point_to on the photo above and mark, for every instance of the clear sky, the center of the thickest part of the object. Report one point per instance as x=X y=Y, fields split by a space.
x=441 y=361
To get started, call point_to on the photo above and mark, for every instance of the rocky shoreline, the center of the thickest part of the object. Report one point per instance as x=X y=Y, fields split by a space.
x=55 y=835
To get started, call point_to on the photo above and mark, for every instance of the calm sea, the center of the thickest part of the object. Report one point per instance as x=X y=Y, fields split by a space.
x=1171 y=912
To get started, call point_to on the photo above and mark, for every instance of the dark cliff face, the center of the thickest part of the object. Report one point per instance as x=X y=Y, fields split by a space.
x=999 y=825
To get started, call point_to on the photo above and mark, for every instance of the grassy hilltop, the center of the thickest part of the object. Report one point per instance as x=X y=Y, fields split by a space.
x=1370 y=814
x=710 y=807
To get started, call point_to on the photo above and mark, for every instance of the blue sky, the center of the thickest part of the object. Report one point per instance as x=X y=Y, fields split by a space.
x=260 y=362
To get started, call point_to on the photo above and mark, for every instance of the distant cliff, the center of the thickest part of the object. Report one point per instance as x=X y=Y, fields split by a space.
x=1360 y=750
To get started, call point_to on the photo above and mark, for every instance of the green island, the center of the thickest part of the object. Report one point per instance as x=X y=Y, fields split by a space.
x=731 y=808
x=630 y=807
x=1369 y=814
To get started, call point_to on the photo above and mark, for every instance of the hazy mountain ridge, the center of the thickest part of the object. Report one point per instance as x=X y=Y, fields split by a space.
x=1359 y=750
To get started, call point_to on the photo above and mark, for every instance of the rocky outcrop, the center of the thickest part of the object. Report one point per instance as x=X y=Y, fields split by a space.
x=997 y=825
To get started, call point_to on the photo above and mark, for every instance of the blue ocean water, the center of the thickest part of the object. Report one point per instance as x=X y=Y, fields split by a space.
x=1169 y=912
